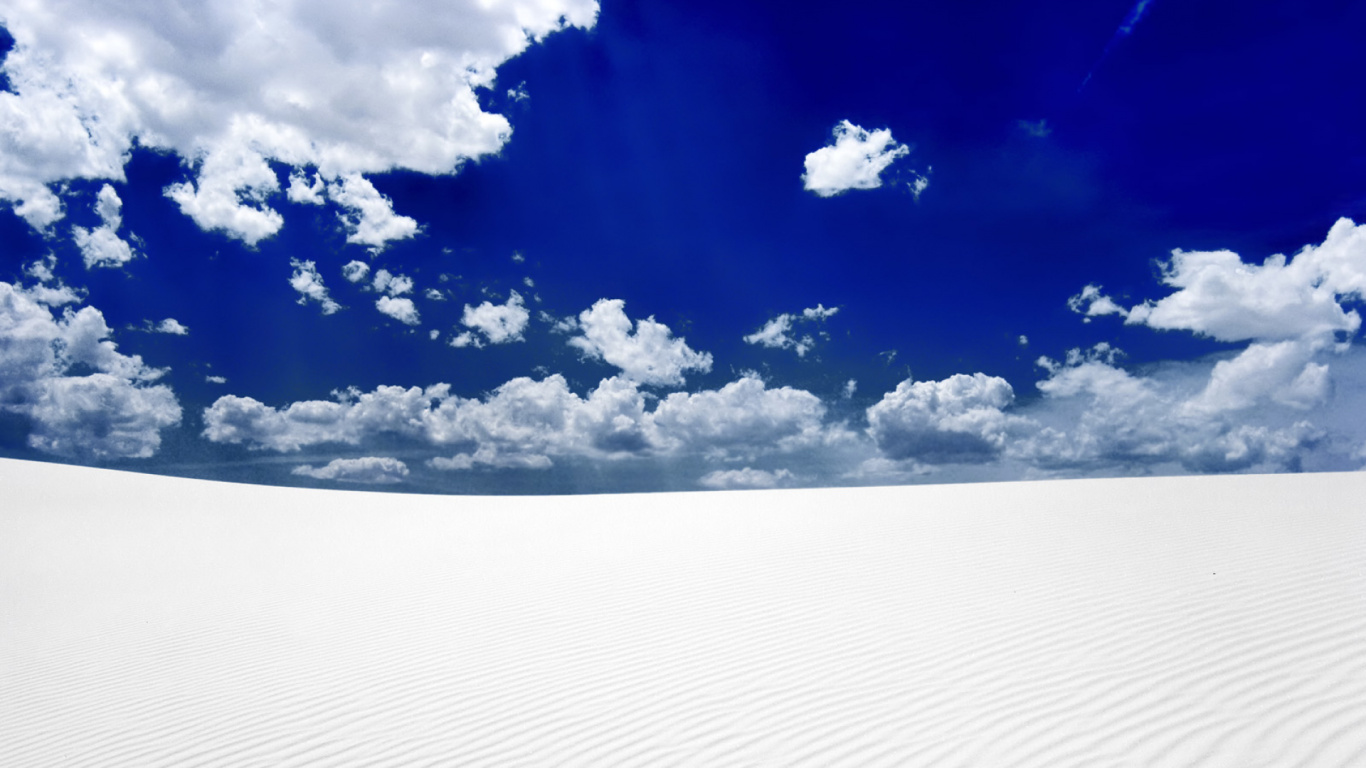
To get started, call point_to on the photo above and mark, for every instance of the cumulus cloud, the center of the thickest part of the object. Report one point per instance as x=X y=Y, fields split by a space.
x=959 y=419
x=521 y=423
x=355 y=271
x=82 y=397
x=402 y=310
x=342 y=89
x=49 y=290
x=1289 y=312
x=649 y=354
x=394 y=285
x=302 y=190
x=527 y=423
x=309 y=284
x=855 y=160
x=370 y=218
x=367 y=469
x=102 y=246
x=744 y=478
x=172 y=326
x=494 y=323
x=743 y=419
x=1106 y=418
x=1092 y=303
x=777 y=333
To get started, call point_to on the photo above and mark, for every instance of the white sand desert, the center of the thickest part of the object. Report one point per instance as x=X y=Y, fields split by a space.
x=151 y=621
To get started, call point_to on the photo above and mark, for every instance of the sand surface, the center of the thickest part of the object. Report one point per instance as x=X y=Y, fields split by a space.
x=152 y=621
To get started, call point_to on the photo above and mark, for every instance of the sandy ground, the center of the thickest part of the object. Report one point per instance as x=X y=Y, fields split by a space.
x=151 y=621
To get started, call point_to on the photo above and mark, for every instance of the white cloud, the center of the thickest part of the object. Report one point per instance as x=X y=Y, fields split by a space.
x=743 y=419
x=777 y=332
x=172 y=326
x=367 y=469
x=401 y=310
x=1290 y=311
x=744 y=478
x=774 y=333
x=494 y=323
x=309 y=284
x=1092 y=303
x=344 y=89
x=394 y=285
x=1102 y=417
x=649 y=354
x=850 y=387
x=434 y=294
x=1220 y=296
x=527 y=423
x=854 y=161
x=522 y=423
x=919 y=184
x=101 y=246
x=216 y=379
x=355 y=271
x=371 y=219
x=959 y=419
x=301 y=190
x=112 y=412
x=819 y=312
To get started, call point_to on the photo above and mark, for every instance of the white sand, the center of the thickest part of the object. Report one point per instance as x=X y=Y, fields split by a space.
x=1172 y=622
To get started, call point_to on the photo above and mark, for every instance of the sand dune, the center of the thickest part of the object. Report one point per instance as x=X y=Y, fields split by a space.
x=1160 y=622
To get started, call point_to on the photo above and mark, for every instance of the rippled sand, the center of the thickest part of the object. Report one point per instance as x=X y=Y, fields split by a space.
x=151 y=621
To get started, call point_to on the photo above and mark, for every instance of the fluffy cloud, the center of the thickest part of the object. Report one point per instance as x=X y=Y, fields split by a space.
x=649 y=354
x=494 y=323
x=1289 y=310
x=528 y=423
x=367 y=469
x=355 y=271
x=172 y=326
x=855 y=160
x=102 y=246
x=742 y=419
x=309 y=284
x=370 y=218
x=343 y=89
x=744 y=478
x=401 y=310
x=1109 y=419
x=777 y=333
x=394 y=285
x=959 y=419
x=1092 y=303
x=521 y=423
x=114 y=411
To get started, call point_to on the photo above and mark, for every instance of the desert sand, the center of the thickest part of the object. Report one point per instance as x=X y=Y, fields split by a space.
x=152 y=621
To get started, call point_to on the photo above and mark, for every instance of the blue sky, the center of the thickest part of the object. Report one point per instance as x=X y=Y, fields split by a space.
x=569 y=247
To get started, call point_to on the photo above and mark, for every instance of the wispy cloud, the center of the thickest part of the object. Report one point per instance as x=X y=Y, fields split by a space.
x=1125 y=29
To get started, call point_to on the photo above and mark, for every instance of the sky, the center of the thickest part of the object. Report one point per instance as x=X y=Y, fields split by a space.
x=559 y=246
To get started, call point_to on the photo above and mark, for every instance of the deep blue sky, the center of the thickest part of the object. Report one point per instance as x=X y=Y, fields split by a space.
x=658 y=159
